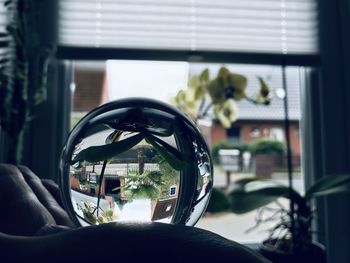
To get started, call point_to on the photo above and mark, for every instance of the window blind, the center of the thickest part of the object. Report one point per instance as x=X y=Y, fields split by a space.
x=2 y=15
x=3 y=22
x=265 y=26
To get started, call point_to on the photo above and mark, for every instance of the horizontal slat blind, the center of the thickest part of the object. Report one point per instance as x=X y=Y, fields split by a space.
x=4 y=17
x=268 y=26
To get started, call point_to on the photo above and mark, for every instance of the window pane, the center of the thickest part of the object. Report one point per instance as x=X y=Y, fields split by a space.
x=100 y=82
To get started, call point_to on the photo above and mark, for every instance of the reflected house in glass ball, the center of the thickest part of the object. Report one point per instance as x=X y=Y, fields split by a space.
x=135 y=160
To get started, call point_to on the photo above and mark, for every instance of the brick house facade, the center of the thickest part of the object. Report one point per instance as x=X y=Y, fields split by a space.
x=249 y=130
x=90 y=88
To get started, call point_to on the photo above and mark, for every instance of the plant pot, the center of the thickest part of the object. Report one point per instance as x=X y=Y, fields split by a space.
x=317 y=253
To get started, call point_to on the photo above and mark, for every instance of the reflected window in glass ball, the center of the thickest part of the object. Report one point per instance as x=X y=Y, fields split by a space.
x=135 y=160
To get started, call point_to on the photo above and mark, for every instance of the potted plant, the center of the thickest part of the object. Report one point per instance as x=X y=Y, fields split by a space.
x=23 y=67
x=291 y=238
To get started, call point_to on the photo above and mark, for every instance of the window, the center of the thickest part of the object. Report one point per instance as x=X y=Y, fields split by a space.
x=277 y=133
x=161 y=80
x=112 y=186
x=196 y=35
x=172 y=190
x=255 y=132
x=234 y=134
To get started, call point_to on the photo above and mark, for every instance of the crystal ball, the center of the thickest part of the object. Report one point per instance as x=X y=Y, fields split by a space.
x=135 y=160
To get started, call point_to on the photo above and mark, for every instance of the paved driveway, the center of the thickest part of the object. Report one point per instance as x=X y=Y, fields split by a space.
x=234 y=226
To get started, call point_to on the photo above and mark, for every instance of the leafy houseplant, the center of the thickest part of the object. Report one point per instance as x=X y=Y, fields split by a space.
x=23 y=67
x=292 y=235
x=219 y=94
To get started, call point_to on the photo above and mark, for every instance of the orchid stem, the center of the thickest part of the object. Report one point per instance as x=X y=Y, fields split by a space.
x=251 y=100
x=100 y=186
x=205 y=112
x=101 y=179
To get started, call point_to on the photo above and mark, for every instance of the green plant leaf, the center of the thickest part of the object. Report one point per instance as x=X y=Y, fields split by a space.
x=169 y=148
x=245 y=201
x=345 y=188
x=105 y=152
x=241 y=183
x=8 y=2
x=169 y=153
x=154 y=178
x=329 y=185
x=114 y=136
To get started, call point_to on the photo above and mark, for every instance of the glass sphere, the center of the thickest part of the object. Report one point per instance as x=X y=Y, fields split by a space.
x=135 y=160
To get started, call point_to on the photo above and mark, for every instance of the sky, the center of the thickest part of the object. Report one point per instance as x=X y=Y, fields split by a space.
x=158 y=80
